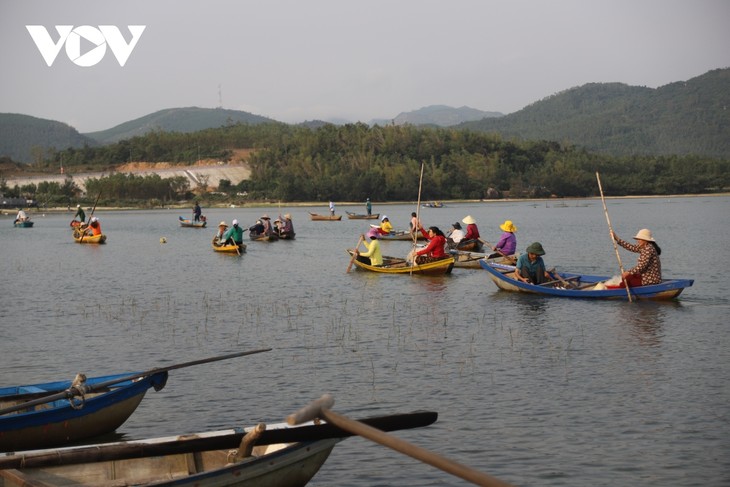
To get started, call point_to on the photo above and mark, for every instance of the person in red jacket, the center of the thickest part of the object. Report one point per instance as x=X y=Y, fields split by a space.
x=472 y=232
x=435 y=248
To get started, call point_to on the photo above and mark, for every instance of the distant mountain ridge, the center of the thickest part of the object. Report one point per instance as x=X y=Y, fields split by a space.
x=681 y=118
x=187 y=119
x=438 y=115
x=25 y=138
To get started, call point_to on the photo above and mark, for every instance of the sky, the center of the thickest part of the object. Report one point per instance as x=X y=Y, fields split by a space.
x=296 y=60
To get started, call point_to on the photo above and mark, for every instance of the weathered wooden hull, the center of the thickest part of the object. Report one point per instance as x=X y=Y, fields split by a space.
x=91 y=239
x=471 y=245
x=59 y=423
x=394 y=265
x=331 y=218
x=401 y=236
x=470 y=260
x=25 y=224
x=279 y=465
x=355 y=216
x=583 y=286
x=263 y=238
x=192 y=224
x=230 y=249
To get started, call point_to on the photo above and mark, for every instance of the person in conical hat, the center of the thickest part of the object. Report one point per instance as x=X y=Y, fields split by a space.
x=648 y=269
x=530 y=267
x=218 y=238
x=507 y=244
x=472 y=232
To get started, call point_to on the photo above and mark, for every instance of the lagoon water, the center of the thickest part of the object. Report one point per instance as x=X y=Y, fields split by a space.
x=532 y=390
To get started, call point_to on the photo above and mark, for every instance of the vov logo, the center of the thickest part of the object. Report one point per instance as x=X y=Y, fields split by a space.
x=105 y=35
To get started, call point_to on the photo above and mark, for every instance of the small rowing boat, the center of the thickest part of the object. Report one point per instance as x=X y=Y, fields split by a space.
x=263 y=455
x=230 y=248
x=356 y=216
x=193 y=224
x=470 y=260
x=332 y=218
x=73 y=417
x=395 y=265
x=89 y=239
x=569 y=285
x=23 y=224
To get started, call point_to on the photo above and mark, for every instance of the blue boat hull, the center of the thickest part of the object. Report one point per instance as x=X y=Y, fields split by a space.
x=585 y=286
x=59 y=423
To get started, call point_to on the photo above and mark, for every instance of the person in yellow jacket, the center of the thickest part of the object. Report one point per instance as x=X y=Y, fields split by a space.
x=385 y=226
x=376 y=257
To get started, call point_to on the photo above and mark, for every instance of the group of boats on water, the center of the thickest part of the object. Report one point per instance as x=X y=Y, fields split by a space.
x=39 y=422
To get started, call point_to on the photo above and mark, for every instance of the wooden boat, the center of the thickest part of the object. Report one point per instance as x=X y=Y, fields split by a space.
x=89 y=239
x=25 y=224
x=395 y=265
x=71 y=418
x=261 y=237
x=470 y=260
x=263 y=456
x=230 y=249
x=356 y=216
x=434 y=204
x=570 y=285
x=287 y=236
x=192 y=224
x=401 y=235
x=471 y=245
x=316 y=217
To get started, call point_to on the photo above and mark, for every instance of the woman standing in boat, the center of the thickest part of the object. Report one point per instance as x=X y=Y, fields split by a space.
x=648 y=269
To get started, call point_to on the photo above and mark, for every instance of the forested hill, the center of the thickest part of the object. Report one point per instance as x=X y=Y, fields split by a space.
x=681 y=118
x=188 y=119
x=28 y=139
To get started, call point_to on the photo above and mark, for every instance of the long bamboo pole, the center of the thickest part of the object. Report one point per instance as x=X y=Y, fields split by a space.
x=615 y=246
x=418 y=219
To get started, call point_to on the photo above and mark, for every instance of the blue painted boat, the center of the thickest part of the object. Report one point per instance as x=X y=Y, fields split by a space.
x=24 y=224
x=100 y=410
x=568 y=285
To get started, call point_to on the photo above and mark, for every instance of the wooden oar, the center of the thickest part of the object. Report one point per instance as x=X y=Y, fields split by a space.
x=321 y=409
x=615 y=246
x=87 y=388
x=354 y=254
x=226 y=440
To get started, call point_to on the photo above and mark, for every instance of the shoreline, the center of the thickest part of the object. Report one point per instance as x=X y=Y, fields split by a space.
x=311 y=204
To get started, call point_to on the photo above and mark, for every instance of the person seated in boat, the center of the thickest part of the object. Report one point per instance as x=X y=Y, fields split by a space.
x=268 y=227
x=94 y=228
x=530 y=267
x=472 y=232
x=435 y=250
x=21 y=216
x=218 y=238
x=196 y=212
x=234 y=235
x=456 y=235
x=287 y=227
x=373 y=253
x=648 y=269
x=385 y=226
x=256 y=229
x=80 y=214
x=507 y=244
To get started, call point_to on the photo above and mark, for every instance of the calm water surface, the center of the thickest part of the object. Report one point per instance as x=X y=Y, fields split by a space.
x=534 y=391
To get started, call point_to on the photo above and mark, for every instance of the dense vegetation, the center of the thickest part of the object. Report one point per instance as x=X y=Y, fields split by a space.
x=356 y=161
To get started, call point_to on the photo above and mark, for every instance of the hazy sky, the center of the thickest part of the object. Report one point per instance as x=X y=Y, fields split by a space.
x=295 y=60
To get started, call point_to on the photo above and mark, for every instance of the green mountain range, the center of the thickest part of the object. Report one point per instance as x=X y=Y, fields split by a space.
x=682 y=118
x=27 y=139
